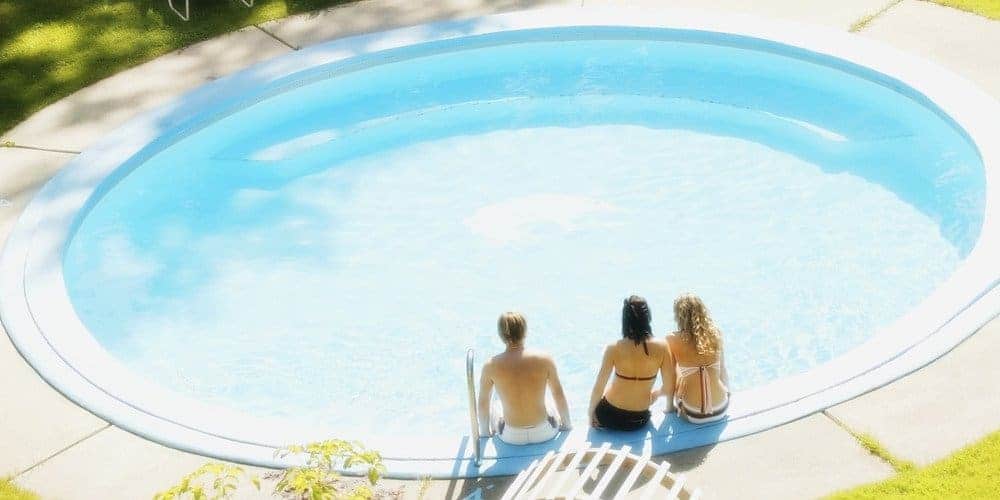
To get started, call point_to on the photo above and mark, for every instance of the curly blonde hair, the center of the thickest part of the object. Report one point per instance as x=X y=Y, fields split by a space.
x=694 y=323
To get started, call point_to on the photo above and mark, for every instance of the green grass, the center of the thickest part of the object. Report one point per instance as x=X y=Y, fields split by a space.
x=875 y=448
x=865 y=20
x=973 y=473
x=51 y=48
x=10 y=491
x=985 y=8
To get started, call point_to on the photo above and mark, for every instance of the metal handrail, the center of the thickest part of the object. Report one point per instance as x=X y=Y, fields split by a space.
x=470 y=361
x=186 y=16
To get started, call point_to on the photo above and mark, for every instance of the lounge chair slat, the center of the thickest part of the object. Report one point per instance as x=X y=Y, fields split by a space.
x=695 y=495
x=654 y=484
x=573 y=463
x=637 y=468
x=676 y=488
x=594 y=462
x=552 y=472
x=526 y=487
x=519 y=481
x=611 y=471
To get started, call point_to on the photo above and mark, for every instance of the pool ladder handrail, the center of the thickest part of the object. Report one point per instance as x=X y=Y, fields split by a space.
x=477 y=447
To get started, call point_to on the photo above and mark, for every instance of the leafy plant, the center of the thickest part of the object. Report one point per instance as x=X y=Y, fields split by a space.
x=212 y=481
x=319 y=480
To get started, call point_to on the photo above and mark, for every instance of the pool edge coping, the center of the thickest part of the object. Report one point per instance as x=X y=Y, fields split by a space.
x=35 y=352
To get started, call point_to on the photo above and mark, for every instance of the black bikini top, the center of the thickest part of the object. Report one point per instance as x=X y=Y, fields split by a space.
x=619 y=375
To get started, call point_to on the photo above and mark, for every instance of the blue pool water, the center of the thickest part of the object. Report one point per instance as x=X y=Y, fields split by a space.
x=327 y=253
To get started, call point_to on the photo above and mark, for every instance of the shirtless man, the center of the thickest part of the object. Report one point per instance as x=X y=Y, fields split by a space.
x=520 y=377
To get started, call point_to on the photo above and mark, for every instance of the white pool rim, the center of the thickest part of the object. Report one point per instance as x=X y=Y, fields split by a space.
x=36 y=311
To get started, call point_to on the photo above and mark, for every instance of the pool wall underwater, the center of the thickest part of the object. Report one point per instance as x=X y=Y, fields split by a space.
x=37 y=312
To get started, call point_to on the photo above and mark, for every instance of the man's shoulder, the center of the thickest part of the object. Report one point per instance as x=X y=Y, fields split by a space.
x=538 y=355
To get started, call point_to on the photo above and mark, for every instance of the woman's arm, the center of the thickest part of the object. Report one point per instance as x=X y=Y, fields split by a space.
x=723 y=374
x=607 y=364
x=668 y=373
x=559 y=396
x=485 y=395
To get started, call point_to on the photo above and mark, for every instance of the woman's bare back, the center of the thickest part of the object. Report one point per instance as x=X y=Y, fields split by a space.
x=685 y=354
x=632 y=362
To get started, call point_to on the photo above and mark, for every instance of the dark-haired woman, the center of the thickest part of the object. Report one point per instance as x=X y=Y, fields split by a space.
x=632 y=364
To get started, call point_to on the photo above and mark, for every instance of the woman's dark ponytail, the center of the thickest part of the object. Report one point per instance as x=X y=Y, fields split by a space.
x=636 y=320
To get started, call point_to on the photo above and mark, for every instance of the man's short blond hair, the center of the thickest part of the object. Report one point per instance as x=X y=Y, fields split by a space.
x=512 y=327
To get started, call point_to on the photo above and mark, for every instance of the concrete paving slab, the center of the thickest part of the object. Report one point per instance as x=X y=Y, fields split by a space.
x=379 y=15
x=114 y=465
x=22 y=174
x=961 y=41
x=78 y=120
x=807 y=458
x=35 y=420
x=839 y=15
x=933 y=412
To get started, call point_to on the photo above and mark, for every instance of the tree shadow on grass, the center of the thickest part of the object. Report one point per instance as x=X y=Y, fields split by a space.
x=51 y=48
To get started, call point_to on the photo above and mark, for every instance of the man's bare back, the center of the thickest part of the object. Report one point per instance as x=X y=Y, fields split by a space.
x=520 y=377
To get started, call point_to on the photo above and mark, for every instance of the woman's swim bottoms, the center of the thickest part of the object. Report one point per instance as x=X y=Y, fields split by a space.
x=696 y=417
x=610 y=416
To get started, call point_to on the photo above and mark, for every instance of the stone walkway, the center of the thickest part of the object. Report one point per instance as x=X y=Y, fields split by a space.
x=61 y=451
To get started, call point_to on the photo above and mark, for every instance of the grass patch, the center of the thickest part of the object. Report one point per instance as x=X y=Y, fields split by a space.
x=972 y=472
x=10 y=491
x=985 y=8
x=52 y=48
x=875 y=448
x=865 y=20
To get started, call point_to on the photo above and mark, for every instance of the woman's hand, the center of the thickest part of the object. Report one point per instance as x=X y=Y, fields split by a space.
x=593 y=420
x=670 y=406
x=654 y=395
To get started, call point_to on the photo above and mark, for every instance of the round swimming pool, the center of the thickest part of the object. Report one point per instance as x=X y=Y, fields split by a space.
x=306 y=249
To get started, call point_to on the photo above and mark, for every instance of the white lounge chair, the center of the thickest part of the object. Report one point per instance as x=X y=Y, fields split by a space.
x=567 y=475
x=186 y=16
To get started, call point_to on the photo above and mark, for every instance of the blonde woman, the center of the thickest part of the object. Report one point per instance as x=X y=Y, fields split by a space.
x=701 y=391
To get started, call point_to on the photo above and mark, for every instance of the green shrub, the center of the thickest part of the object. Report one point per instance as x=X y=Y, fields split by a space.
x=212 y=481
x=318 y=479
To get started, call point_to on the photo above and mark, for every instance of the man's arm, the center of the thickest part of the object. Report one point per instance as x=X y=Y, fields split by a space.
x=485 y=395
x=602 y=381
x=559 y=396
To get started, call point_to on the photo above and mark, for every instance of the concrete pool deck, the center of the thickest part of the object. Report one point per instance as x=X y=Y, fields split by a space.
x=62 y=451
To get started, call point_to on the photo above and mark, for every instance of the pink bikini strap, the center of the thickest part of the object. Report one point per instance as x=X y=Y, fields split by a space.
x=706 y=391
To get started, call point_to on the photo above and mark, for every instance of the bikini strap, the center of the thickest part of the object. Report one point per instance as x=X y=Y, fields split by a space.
x=706 y=390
